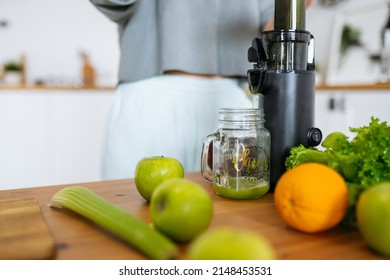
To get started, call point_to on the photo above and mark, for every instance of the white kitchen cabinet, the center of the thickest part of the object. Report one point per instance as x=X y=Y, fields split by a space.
x=338 y=110
x=51 y=137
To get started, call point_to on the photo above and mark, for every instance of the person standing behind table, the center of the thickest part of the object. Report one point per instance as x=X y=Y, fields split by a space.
x=180 y=62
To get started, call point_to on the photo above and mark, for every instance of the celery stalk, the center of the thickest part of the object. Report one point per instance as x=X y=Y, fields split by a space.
x=134 y=231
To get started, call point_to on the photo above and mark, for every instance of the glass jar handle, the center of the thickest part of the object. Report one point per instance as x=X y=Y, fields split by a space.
x=207 y=157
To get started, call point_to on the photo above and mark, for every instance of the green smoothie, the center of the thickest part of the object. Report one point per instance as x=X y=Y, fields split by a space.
x=242 y=188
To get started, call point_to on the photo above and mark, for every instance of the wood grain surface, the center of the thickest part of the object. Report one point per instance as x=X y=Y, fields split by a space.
x=23 y=231
x=78 y=238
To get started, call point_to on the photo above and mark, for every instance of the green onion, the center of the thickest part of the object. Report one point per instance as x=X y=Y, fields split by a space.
x=114 y=219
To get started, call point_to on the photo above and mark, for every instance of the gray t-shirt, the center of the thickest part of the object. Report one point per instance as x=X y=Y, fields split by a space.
x=195 y=36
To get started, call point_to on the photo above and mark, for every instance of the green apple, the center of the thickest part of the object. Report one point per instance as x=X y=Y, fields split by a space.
x=373 y=217
x=152 y=171
x=226 y=243
x=181 y=209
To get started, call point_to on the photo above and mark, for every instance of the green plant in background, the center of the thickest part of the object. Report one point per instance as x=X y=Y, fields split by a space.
x=12 y=66
x=350 y=37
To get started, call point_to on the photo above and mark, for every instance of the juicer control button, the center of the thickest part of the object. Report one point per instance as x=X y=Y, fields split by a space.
x=314 y=136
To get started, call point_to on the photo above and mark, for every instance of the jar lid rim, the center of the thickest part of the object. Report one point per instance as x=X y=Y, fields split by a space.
x=241 y=114
x=242 y=110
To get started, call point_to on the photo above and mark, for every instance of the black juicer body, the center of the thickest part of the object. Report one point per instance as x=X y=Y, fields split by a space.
x=284 y=75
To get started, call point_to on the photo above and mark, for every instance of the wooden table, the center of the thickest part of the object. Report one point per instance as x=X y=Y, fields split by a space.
x=77 y=238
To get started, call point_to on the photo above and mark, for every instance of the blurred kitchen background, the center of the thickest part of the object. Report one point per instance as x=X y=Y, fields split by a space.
x=53 y=35
x=58 y=69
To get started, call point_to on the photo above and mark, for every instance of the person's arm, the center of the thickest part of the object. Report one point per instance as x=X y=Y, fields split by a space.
x=116 y=10
x=269 y=25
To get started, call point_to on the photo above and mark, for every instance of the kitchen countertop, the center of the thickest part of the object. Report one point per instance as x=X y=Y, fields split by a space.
x=55 y=88
x=355 y=87
x=77 y=238
x=320 y=87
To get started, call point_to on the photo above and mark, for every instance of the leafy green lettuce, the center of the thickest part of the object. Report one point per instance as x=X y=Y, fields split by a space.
x=362 y=161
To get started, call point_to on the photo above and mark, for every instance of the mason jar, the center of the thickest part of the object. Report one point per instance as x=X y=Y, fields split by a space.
x=236 y=156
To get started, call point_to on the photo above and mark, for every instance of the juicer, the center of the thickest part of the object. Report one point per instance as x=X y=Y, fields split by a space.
x=283 y=76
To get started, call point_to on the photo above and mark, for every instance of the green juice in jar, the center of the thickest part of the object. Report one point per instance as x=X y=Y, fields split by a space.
x=242 y=188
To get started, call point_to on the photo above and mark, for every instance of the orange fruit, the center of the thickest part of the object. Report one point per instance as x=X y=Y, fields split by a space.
x=311 y=197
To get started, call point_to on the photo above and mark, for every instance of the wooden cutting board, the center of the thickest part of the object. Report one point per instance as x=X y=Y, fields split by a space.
x=24 y=233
